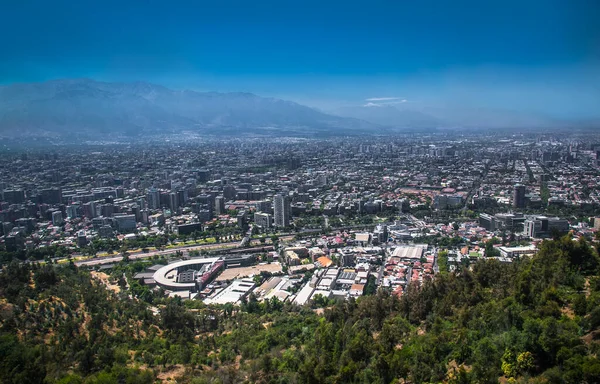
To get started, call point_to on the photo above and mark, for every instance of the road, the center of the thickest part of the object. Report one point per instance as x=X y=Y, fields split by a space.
x=188 y=248
x=145 y=255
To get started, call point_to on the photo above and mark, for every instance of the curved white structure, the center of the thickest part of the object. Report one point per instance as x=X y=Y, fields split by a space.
x=166 y=277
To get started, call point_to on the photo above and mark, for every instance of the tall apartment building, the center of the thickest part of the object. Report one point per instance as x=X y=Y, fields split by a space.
x=173 y=201
x=519 y=196
x=281 y=205
x=153 y=198
x=220 y=205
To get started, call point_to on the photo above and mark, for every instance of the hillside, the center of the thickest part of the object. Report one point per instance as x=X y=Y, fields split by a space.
x=535 y=320
x=87 y=108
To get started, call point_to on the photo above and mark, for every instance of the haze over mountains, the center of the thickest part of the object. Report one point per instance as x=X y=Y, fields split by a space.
x=88 y=108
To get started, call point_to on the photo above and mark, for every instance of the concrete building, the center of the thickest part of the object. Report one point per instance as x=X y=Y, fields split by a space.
x=195 y=274
x=233 y=293
x=282 y=208
x=220 y=205
x=263 y=220
x=57 y=218
x=487 y=221
x=189 y=228
x=82 y=240
x=173 y=201
x=447 y=201
x=519 y=196
x=72 y=211
x=153 y=198
x=264 y=206
x=542 y=226
x=124 y=223
x=597 y=223
x=512 y=252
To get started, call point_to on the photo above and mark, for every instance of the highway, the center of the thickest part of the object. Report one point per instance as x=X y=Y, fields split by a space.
x=186 y=249
x=203 y=247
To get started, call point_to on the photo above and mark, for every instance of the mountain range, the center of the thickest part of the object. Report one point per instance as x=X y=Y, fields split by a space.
x=90 y=108
x=84 y=108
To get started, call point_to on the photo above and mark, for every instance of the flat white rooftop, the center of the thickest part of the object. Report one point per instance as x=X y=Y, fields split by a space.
x=410 y=251
x=304 y=294
x=233 y=293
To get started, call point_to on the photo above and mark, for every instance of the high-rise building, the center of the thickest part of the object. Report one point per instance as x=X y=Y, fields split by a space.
x=153 y=198
x=72 y=211
x=182 y=196
x=281 y=205
x=173 y=201
x=597 y=223
x=89 y=210
x=519 y=196
x=220 y=205
x=57 y=218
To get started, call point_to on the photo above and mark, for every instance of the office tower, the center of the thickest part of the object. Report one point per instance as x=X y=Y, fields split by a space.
x=136 y=210
x=281 y=205
x=89 y=210
x=73 y=211
x=519 y=196
x=173 y=201
x=125 y=223
x=207 y=201
x=153 y=198
x=182 y=196
x=220 y=205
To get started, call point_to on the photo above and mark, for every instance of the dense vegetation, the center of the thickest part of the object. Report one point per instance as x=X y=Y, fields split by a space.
x=535 y=320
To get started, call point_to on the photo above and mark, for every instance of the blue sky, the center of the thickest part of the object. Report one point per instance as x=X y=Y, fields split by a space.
x=533 y=56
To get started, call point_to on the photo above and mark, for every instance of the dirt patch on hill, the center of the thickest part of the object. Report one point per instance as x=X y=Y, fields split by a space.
x=105 y=279
x=171 y=373
x=234 y=273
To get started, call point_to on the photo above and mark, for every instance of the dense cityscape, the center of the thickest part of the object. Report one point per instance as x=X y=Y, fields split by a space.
x=355 y=214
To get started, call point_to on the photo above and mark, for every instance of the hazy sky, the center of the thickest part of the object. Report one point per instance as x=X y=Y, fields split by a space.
x=532 y=56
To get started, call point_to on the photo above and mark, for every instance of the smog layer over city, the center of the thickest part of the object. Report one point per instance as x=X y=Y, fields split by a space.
x=286 y=192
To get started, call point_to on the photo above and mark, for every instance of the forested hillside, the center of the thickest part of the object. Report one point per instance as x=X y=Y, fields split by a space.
x=535 y=320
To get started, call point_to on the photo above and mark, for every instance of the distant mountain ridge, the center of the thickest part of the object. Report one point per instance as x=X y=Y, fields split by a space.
x=89 y=107
x=415 y=116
